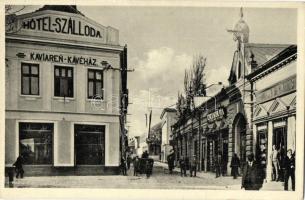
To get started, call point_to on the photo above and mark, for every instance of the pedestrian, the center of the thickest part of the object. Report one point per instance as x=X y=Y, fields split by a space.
x=182 y=164
x=289 y=165
x=251 y=179
x=275 y=163
x=135 y=166
x=193 y=166
x=282 y=156
x=128 y=161
x=19 y=166
x=123 y=166
x=235 y=164
x=148 y=167
x=170 y=161
x=218 y=162
x=145 y=154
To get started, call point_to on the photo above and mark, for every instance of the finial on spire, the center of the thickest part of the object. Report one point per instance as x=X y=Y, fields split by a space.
x=241 y=12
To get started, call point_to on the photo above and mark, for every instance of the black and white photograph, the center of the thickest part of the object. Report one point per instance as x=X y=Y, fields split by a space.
x=153 y=97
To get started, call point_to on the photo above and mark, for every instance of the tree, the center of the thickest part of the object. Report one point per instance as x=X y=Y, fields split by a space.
x=194 y=82
x=11 y=18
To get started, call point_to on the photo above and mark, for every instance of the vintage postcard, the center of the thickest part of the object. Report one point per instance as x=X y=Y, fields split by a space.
x=178 y=100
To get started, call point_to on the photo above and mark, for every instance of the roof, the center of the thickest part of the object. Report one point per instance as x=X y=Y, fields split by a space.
x=284 y=54
x=261 y=53
x=167 y=110
x=62 y=8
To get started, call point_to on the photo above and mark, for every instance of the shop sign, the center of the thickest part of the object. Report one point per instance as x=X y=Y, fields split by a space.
x=217 y=115
x=279 y=124
x=61 y=25
x=262 y=127
x=281 y=88
x=59 y=58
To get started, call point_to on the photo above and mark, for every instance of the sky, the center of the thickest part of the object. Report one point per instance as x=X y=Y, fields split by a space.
x=162 y=42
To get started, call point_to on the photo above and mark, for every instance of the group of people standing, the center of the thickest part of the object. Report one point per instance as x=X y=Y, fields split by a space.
x=283 y=166
x=185 y=164
x=138 y=166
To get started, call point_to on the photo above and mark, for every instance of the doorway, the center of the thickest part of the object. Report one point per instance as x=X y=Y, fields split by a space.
x=89 y=144
x=240 y=128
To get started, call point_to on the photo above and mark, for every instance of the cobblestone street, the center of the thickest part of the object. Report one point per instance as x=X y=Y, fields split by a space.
x=160 y=179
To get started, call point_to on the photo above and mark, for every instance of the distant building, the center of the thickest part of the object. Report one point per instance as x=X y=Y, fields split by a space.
x=169 y=118
x=256 y=111
x=154 y=141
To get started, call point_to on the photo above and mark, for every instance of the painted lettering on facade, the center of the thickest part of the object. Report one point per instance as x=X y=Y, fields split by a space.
x=217 y=115
x=281 y=88
x=63 y=59
x=61 y=25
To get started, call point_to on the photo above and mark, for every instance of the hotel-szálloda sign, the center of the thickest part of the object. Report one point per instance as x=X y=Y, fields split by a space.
x=64 y=26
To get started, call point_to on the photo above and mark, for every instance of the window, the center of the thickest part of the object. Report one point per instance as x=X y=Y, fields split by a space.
x=90 y=144
x=63 y=81
x=36 y=143
x=29 y=79
x=239 y=70
x=95 y=83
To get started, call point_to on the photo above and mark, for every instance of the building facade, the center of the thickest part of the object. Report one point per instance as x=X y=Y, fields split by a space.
x=168 y=118
x=257 y=108
x=274 y=114
x=66 y=93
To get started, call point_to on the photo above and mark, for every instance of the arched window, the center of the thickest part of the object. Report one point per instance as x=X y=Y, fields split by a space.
x=239 y=70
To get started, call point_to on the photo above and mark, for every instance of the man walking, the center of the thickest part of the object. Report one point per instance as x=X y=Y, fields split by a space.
x=123 y=166
x=135 y=166
x=182 y=166
x=170 y=161
x=218 y=164
x=251 y=179
x=289 y=165
x=128 y=161
x=235 y=164
x=18 y=164
x=275 y=162
x=193 y=166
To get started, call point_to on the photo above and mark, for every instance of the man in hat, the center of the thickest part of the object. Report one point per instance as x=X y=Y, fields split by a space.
x=251 y=179
x=170 y=161
x=193 y=166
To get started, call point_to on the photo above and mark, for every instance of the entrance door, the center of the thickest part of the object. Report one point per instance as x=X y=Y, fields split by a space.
x=243 y=157
x=225 y=155
x=89 y=145
x=240 y=127
x=203 y=154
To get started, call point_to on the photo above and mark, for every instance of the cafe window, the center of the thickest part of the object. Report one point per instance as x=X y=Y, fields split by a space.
x=95 y=83
x=36 y=143
x=63 y=84
x=29 y=79
x=90 y=144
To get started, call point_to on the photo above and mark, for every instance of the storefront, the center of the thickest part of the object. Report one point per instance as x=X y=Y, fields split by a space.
x=66 y=95
x=275 y=108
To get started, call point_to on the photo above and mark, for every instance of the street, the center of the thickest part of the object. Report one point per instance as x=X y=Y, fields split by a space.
x=160 y=179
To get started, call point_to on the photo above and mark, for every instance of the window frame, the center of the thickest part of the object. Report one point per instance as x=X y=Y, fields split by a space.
x=65 y=67
x=30 y=75
x=53 y=133
x=94 y=82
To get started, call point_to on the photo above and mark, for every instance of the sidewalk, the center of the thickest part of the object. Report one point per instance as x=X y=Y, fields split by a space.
x=229 y=182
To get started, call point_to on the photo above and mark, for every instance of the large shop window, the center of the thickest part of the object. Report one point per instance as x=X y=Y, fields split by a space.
x=63 y=84
x=90 y=144
x=36 y=143
x=29 y=79
x=95 y=83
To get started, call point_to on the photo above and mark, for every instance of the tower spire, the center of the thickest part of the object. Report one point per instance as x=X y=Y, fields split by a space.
x=241 y=12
